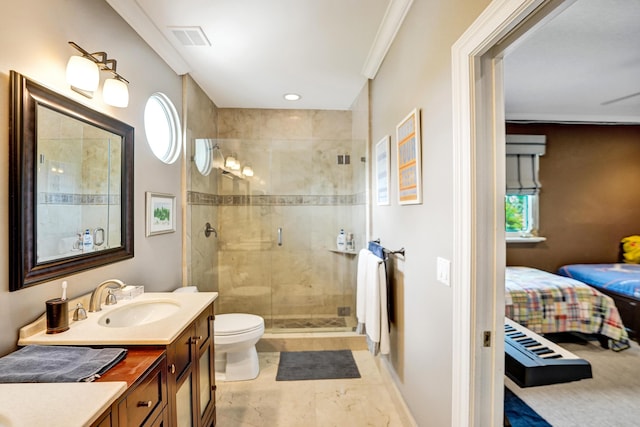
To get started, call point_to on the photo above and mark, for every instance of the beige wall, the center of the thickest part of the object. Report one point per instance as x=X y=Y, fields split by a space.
x=33 y=41
x=587 y=200
x=417 y=73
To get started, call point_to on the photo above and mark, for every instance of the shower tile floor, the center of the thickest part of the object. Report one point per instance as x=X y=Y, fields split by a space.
x=366 y=401
x=324 y=322
x=315 y=323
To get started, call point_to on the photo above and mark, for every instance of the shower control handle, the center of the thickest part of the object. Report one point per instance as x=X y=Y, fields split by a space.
x=279 y=236
x=208 y=229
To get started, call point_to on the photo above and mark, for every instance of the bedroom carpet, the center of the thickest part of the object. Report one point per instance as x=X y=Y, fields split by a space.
x=316 y=365
x=610 y=399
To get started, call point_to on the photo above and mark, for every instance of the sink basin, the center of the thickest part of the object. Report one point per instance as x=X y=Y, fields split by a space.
x=141 y=313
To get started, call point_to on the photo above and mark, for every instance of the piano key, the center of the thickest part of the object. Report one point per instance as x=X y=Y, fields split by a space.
x=543 y=350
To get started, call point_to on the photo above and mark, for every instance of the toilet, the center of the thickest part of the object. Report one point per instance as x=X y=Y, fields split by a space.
x=234 y=338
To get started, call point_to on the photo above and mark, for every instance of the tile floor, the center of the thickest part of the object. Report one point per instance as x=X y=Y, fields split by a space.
x=366 y=401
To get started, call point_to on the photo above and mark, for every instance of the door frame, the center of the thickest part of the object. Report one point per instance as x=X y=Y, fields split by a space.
x=479 y=248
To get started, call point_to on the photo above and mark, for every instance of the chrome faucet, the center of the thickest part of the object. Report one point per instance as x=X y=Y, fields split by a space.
x=96 y=296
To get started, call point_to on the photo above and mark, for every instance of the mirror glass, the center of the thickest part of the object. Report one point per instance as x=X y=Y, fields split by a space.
x=71 y=186
x=78 y=187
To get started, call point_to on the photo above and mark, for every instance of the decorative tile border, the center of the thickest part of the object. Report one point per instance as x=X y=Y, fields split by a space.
x=195 y=198
x=77 y=199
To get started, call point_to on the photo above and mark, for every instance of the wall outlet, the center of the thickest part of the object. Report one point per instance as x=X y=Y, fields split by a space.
x=443 y=271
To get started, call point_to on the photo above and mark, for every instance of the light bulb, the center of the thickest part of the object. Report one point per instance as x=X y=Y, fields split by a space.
x=115 y=92
x=247 y=170
x=83 y=73
x=230 y=162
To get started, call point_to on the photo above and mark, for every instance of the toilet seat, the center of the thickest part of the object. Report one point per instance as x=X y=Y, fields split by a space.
x=236 y=323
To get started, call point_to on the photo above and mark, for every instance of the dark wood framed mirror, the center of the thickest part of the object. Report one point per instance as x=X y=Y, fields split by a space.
x=70 y=186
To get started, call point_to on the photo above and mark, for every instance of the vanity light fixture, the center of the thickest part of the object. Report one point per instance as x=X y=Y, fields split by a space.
x=83 y=74
x=292 y=96
x=236 y=165
x=115 y=92
x=247 y=170
x=230 y=166
x=218 y=157
x=231 y=162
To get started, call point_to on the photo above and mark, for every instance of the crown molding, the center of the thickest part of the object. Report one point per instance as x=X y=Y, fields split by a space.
x=391 y=23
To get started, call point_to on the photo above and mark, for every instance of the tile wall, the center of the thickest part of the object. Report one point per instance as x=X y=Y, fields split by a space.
x=299 y=187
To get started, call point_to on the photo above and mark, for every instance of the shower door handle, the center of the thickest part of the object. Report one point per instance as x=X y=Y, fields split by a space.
x=279 y=236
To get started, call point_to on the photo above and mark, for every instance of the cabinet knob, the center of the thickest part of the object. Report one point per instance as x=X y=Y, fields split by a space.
x=196 y=339
x=146 y=404
x=172 y=368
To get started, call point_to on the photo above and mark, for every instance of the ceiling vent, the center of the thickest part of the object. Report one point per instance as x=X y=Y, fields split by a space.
x=190 y=36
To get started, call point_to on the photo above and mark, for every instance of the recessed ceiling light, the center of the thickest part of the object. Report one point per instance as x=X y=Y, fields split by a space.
x=292 y=96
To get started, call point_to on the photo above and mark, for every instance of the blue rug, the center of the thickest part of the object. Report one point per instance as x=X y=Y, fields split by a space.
x=519 y=413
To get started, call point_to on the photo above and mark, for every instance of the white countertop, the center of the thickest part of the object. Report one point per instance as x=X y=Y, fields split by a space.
x=89 y=332
x=56 y=404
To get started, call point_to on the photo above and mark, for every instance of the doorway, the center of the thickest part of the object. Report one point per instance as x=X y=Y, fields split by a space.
x=479 y=188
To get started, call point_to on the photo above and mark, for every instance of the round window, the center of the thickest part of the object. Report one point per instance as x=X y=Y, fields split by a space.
x=162 y=127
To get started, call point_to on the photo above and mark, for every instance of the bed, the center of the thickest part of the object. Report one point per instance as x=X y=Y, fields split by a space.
x=548 y=303
x=619 y=281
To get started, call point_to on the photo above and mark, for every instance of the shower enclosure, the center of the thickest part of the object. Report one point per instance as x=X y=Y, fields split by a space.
x=274 y=250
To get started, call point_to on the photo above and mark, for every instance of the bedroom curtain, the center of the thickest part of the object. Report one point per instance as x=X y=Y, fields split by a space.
x=522 y=163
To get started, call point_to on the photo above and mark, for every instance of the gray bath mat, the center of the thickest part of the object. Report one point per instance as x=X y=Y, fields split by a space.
x=316 y=365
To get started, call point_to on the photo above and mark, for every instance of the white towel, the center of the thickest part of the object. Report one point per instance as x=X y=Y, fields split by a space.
x=376 y=316
x=361 y=289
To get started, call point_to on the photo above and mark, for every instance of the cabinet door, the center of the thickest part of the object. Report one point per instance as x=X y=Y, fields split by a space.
x=192 y=375
x=184 y=402
x=105 y=421
x=161 y=421
x=179 y=363
x=206 y=372
x=181 y=354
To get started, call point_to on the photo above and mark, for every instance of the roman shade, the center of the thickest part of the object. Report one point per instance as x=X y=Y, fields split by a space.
x=522 y=163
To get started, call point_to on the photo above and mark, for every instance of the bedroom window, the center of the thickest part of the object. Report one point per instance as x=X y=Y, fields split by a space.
x=520 y=214
x=522 y=186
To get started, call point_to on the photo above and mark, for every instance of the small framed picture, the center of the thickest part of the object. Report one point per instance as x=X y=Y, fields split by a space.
x=161 y=213
x=409 y=159
x=383 y=164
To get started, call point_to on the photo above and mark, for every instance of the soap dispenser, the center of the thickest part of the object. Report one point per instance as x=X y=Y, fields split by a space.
x=340 y=240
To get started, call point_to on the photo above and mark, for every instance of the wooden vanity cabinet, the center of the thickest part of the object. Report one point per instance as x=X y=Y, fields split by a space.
x=191 y=374
x=168 y=386
x=145 y=399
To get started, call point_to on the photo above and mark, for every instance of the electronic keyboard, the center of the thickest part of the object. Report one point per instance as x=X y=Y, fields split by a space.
x=531 y=360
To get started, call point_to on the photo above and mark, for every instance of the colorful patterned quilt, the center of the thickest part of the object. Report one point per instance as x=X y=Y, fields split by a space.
x=621 y=278
x=548 y=303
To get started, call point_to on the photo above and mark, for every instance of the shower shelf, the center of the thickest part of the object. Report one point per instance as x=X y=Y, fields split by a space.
x=343 y=252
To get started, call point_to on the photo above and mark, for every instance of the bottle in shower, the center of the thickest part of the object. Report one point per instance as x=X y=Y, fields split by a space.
x=87 y=241
x=340 y=240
